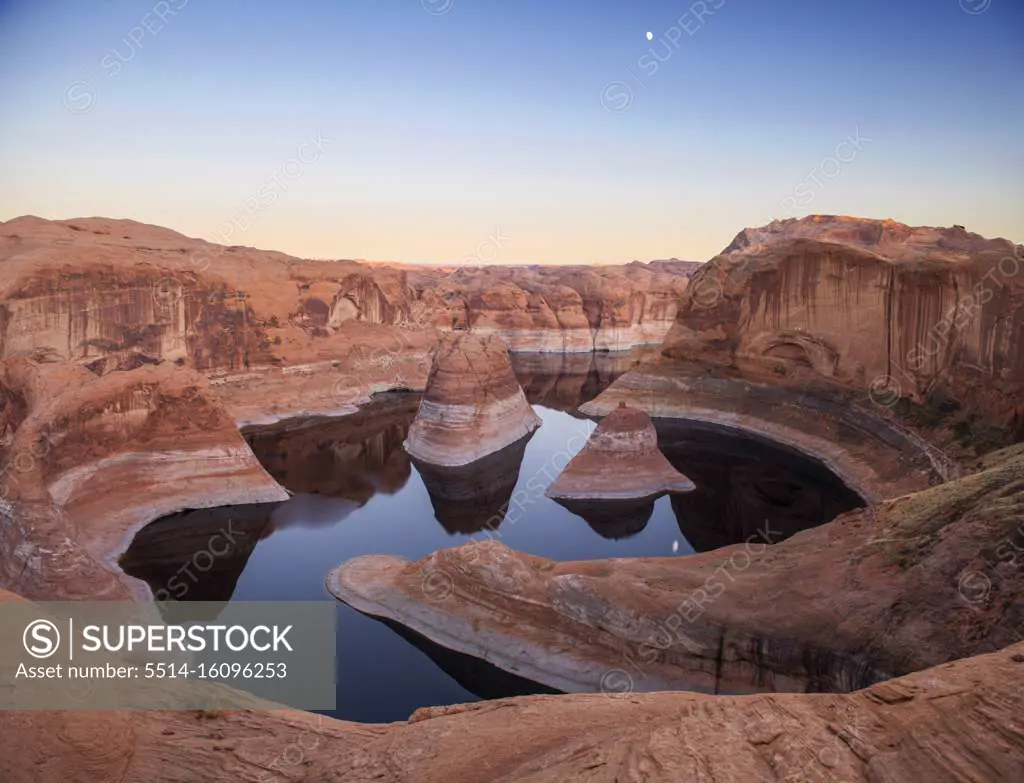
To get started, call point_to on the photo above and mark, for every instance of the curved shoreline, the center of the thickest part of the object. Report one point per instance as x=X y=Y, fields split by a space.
x=797 y=424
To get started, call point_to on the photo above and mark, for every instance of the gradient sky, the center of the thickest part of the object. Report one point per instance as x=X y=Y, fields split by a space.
x=487 y=115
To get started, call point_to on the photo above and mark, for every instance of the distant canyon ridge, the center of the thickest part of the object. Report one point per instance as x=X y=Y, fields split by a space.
x=90 y=288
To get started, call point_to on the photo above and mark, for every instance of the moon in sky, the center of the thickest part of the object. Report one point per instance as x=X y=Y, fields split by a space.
x=650 y=36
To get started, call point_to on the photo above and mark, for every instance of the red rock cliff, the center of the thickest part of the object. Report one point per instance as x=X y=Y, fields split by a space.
x=931 y=315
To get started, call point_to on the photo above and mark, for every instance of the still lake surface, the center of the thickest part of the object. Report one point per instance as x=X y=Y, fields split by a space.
x=357 y=492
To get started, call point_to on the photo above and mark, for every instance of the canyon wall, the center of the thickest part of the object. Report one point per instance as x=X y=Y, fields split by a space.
x=928 y=322
x=84 y=289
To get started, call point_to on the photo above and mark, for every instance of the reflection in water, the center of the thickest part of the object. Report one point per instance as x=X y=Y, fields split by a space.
x=312 y=511
x=612 y=519
x=745 y=482
x=197 y=555
x=351 y=457
x=474 y=674
x=469 y=498
x=564 y=381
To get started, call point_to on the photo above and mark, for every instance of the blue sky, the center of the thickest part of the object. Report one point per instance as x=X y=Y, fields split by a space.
x=413 y=130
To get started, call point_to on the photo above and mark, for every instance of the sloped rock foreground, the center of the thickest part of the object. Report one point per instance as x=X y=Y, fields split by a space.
x=956 y=722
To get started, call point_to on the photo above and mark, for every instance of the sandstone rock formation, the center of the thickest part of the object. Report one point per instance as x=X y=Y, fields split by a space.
x=925 y=322
x=872 y=453
x=88 y=460
x=954 y=722
x=620 y=461
x=473 y=404
x=557 y=309
x=107 y=327
x=908 y=584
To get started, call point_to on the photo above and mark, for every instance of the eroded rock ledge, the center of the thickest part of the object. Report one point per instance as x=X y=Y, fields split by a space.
x=839 y=427
x=91 y=459
x=875 y=593
x=955 y=722
x=924 y=322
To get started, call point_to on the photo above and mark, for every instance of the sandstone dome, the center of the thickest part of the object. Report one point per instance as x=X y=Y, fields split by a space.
x=621 y=461
x=473 y=405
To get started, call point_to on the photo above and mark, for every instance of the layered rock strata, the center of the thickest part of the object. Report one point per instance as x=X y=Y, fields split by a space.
x=620 y=461
x=908 y=584
x=473 y=404
x=872 y=453
x=87 y=288
x=927 y=323
x=94 y=458
x=954 y=722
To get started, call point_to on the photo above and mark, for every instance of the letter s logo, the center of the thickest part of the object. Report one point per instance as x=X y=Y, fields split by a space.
x=41 y=638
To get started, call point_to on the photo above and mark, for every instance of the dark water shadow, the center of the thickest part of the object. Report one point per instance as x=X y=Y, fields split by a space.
x=612 y=519
x=470 y=498
x=197 y=555
x=743 y=483
x=476 y=675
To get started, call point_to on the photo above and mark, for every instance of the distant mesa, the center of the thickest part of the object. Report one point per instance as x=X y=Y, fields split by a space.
x=473 y=405
x=620 y=461
x=470 y=498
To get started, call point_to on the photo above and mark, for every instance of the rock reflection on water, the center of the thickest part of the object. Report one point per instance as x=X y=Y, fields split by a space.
x=474 y=497
x=563 y=382
x=352 y=457
x=612 y=519
x=197 y=555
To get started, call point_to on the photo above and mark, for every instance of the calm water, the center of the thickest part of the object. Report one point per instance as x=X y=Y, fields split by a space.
x=358 y=493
